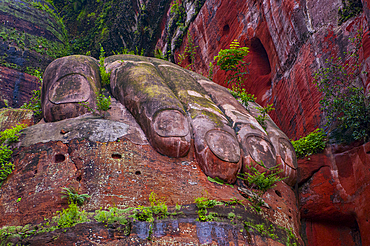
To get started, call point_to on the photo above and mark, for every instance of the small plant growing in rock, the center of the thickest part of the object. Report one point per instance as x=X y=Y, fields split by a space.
x=313 y=143
x=6 y=138
x=105 y=77
x=242 y=96
x=102 y=103
x=73 y=197
x=35 y=102
x=189 y=53
x=263 y=114
x=261 y=181
x=232 y=61
x=71 y=216
x=157 y=209
x=203 y=203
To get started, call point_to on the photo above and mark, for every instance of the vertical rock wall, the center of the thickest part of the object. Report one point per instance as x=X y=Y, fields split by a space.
x=288 y=41
x=31 y=36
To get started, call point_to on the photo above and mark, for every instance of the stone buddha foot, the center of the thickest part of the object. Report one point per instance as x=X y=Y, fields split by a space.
x=176 y=109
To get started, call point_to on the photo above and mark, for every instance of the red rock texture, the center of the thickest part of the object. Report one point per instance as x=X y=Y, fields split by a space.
x=122 y=174
x=11 y=117
x=288 y=42
x=16 y=87
x=324 y=233
x=23 y=48
x=336 y=193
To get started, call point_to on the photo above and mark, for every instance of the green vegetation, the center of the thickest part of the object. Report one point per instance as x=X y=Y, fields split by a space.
x=232 y=62
x=350 y=9
x=35 y=102
x=11 y=135
x=102 y=104
x=71 y=216
x=45 y=7
x=8 y=137
x=121 y=220
x=344 y=104
x=311 y=144
x=105 y=77
x=263 y=114
x=73 y=197
x=204 y=203
x=219 y=181
x=243 y=96
x=36 y=43
x=157 y=209
x=189 y=54
x=261 y=181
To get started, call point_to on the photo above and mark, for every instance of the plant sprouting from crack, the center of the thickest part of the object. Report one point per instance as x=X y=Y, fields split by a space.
x=73 y=197
x=102 y=104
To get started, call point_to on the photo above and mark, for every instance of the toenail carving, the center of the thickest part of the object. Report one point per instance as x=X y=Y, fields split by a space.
x=261 y=149
x=171 y=123
x=223 y=145
x=72 y=88
x=287 y=153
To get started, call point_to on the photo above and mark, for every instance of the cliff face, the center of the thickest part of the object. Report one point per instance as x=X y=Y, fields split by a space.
x=288 y=42
x=30 y=38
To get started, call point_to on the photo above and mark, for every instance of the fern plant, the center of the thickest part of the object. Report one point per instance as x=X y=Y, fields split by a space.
x=261 y=181
x=73 y=197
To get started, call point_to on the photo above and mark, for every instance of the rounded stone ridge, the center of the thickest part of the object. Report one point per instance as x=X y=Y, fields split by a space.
x=223 y=145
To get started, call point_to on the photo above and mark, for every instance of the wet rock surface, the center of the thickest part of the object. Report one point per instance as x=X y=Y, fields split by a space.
x=288 y=42
x=122 y=174
x=334 y=191
x=111 y=160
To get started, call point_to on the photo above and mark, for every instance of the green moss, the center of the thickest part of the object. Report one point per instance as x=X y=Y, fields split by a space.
x=39 y=44
x=50 y=20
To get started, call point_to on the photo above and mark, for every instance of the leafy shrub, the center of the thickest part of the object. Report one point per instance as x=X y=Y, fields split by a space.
x=73 y=197
x=35 y=102
x=102 y=103
x=189 y=53
x=243 y=96
x=345 y=105
x=203 y=203
x=232 y=60
x=7 y=137
x=157 y=209
x=261 y=181
x=71 y=216
x=105 y=77
x=11 y=135
x=311 y=144
x=263 y=114
x=6 y=167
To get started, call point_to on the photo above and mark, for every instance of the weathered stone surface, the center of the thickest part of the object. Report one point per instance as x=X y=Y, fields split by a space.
x=30 y=39
x=337 y=192
x=288 y=42
x=11 y=117
x=16 y=87
x=69 y=81
x=123 y=174
x=110 y=159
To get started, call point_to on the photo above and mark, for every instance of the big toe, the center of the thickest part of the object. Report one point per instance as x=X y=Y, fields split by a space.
x=69 y=81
